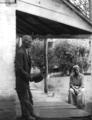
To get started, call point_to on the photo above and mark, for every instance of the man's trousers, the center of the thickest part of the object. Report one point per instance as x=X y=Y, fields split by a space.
x=26 y=103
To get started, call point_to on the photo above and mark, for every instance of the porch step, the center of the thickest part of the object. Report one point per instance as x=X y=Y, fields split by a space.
x=59 y=111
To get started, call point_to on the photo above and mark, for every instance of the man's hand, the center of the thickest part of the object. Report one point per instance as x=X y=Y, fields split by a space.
x=37 y=77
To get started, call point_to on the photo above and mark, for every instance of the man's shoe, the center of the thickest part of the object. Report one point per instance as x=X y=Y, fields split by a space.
x=20 y=118
x=34 y=115
x=31 y=118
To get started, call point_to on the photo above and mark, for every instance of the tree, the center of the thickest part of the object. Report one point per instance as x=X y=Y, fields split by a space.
x=37 y=53
x=65 y=54
x=69 y=55
x=52 y=59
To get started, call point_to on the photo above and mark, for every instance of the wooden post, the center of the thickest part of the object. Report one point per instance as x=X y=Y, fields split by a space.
x=91 y=52
x=46 y=64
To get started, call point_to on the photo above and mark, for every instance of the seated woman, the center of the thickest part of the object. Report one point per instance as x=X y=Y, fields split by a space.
x=76 y=90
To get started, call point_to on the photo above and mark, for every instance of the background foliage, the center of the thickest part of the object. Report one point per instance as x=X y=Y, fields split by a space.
x=61 y=57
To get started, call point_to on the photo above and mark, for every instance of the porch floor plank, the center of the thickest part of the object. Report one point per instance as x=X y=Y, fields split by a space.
x=59 y=111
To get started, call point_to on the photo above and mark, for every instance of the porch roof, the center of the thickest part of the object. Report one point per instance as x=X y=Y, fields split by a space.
x=30 y=22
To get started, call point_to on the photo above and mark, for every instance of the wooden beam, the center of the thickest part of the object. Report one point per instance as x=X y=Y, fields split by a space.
x=67 y=36
x=54 y=10
x=26 y=25
x=46 y=26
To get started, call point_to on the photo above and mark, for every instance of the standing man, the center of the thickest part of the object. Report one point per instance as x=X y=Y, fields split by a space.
x=22 y=71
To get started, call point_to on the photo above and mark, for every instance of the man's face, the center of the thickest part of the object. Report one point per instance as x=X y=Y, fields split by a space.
x=27 y=43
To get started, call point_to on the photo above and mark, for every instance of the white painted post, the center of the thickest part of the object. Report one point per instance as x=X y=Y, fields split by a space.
x=7 y=49
x=7 y=56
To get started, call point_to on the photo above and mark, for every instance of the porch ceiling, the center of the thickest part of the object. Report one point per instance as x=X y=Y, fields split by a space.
x=31 y=24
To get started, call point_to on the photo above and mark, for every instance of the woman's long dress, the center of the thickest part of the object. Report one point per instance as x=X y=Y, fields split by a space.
x=77 y=98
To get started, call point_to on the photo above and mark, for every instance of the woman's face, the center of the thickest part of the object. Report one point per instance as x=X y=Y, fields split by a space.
x=76 y=71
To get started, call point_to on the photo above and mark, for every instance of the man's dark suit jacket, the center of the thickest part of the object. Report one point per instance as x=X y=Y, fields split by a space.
x=22 y=69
